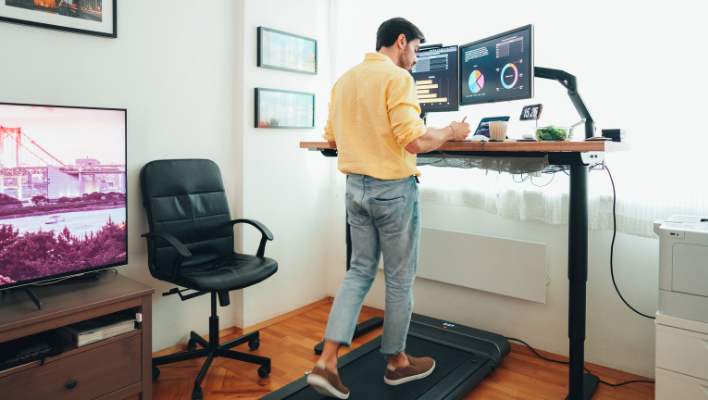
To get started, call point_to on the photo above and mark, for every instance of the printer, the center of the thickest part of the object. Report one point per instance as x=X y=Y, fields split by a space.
x=681 y=356
x=683 y=267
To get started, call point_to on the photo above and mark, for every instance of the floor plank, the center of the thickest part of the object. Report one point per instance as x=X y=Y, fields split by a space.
x=289 y=342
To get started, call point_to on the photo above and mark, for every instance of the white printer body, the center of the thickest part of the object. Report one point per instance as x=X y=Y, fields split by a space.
x=682 y=320
x=683 y=267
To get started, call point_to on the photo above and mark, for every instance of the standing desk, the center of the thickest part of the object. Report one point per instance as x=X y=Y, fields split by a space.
x=576 y=156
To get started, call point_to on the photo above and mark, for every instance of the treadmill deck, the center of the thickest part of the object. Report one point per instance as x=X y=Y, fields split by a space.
x=464 y=356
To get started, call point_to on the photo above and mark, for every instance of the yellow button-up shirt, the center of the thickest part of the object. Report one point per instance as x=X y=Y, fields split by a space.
x=373 y=115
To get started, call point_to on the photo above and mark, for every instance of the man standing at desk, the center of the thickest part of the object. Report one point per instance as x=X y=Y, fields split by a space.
x=374 y=118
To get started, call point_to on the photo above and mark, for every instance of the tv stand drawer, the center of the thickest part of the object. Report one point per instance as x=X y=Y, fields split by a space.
x=84 y=373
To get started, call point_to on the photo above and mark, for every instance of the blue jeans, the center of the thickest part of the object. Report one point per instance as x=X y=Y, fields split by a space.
x=383 y=216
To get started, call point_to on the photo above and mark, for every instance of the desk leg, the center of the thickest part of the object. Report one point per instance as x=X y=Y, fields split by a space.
x=581 y=386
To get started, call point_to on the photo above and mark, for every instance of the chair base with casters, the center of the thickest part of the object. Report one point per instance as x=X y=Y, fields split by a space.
x=198 y=347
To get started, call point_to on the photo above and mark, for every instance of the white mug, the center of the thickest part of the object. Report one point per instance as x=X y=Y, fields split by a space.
x=497 y=131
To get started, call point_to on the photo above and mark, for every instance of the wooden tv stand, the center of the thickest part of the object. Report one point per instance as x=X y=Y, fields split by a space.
x=113 y=369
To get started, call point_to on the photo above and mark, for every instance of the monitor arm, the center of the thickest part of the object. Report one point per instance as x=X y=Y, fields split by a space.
x=570 y=83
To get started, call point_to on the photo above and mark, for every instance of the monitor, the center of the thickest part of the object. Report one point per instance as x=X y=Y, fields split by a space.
x=62 y=191
x=499 y=68
x=436 y=79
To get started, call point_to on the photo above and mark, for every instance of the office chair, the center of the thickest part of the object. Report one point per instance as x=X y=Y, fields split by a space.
x=191 y=244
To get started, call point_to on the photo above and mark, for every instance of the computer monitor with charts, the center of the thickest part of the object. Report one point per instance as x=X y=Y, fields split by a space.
x=498 y=68
x=436 y=79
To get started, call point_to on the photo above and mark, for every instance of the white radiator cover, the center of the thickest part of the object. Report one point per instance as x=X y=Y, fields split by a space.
x=508 y=267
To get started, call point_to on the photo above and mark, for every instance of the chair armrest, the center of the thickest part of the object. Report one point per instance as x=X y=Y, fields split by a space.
x=265 y=233
x=173 y=241
x=264 y=230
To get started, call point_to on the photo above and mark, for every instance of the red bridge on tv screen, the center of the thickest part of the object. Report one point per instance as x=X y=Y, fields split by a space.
x=48 y=176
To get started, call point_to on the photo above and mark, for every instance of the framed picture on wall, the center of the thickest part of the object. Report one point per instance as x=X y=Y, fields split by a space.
x=93 y=17
x=279 y=109
x=286 y=51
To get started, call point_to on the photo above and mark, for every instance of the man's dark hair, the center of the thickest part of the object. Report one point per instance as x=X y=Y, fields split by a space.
x=390 y=30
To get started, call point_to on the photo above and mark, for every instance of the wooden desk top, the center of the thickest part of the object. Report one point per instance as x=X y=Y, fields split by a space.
x=507 y=146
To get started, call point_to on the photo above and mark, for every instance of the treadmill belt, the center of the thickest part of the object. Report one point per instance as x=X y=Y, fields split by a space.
x=464 y=356
x=364 y=377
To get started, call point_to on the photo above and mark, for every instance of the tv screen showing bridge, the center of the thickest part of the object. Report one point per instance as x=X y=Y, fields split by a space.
x=62 y=188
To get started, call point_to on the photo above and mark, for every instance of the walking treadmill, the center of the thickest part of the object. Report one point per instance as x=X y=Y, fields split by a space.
x=464 y=356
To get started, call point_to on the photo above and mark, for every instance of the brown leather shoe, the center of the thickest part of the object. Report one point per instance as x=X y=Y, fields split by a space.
x=419 y=368
x=327 y=383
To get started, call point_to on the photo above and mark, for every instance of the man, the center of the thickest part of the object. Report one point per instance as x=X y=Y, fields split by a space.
x=374 y=118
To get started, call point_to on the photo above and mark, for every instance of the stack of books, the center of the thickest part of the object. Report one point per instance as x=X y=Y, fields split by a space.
x=97 y=329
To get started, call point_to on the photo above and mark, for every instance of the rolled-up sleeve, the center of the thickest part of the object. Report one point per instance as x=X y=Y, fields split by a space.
x=404 y=110
x=329 y=128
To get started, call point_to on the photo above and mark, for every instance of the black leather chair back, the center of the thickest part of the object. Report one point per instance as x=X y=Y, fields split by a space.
x=186 y=198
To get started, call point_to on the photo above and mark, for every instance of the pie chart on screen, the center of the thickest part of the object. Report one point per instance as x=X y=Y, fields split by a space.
x=476 y=81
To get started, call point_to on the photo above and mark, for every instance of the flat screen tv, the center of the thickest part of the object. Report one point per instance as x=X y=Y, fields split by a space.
x=63 y=208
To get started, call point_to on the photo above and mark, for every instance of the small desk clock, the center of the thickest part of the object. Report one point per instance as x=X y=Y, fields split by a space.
x=532 y=112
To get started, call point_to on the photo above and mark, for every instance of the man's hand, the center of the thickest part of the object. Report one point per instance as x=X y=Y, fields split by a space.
x=460 y=130
x=436 y=137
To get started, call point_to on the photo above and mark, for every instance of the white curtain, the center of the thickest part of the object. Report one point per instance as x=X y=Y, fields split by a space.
x=646 y=192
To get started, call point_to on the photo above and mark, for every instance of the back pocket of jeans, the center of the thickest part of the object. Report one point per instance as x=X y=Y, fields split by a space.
x=390 y=214
x=387 y=201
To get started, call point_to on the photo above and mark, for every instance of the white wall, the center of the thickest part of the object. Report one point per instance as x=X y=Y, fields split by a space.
x=614 y=49
x=175 y=68
x=286 y=188
x=186 y=75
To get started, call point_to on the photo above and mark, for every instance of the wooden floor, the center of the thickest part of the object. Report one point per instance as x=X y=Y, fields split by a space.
x=289 y=342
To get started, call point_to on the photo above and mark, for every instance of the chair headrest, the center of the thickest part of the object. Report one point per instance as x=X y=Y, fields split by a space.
x=162 y=178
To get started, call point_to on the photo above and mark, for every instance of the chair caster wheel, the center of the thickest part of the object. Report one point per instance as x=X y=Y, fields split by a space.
x=263 y=371
x=254 y=344
x=155 y=373
x=197 y=393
